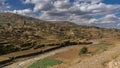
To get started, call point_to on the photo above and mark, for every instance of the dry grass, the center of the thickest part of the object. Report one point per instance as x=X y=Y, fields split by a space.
x=100 y=60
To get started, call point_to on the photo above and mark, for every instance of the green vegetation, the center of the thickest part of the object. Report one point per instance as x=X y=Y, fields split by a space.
x=84 y=50
x=7 y=48
x=44 y=63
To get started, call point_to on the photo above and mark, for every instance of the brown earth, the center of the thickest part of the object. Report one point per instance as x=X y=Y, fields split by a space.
x=100 y=54
x=71 y=56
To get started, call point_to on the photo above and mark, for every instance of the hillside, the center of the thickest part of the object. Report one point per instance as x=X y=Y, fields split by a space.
x=20 y=32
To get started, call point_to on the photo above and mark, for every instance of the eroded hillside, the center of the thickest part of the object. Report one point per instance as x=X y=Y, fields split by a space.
x=21 y=33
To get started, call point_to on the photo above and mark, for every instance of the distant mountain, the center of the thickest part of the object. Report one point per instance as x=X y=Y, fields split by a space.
x=16 y=30
x=107 y=25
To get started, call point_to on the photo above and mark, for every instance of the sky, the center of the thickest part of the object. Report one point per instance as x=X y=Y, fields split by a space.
x=103 y=13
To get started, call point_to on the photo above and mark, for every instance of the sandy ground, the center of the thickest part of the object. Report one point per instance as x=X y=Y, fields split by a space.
x=114 y=63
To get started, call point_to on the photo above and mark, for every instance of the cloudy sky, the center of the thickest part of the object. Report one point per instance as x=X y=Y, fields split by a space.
x=103 y=13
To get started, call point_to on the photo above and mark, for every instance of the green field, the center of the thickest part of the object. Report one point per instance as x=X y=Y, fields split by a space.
x=44 y=63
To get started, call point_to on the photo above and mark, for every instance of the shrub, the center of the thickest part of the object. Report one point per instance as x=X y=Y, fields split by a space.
x=7 y=48
x=84 y=50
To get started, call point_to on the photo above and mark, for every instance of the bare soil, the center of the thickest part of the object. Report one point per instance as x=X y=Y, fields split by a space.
x=71 y=56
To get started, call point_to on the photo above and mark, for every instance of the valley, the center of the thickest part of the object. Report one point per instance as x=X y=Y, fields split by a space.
x=25 y=40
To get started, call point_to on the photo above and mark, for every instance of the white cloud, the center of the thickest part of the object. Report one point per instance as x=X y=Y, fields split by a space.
x=63 y=4
x=80 y=11
x=88 y=1
x=56 y=15
x=3 y=5
x=23 y=12
x=109 y=21
x=43 y=5
x=110 y=18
